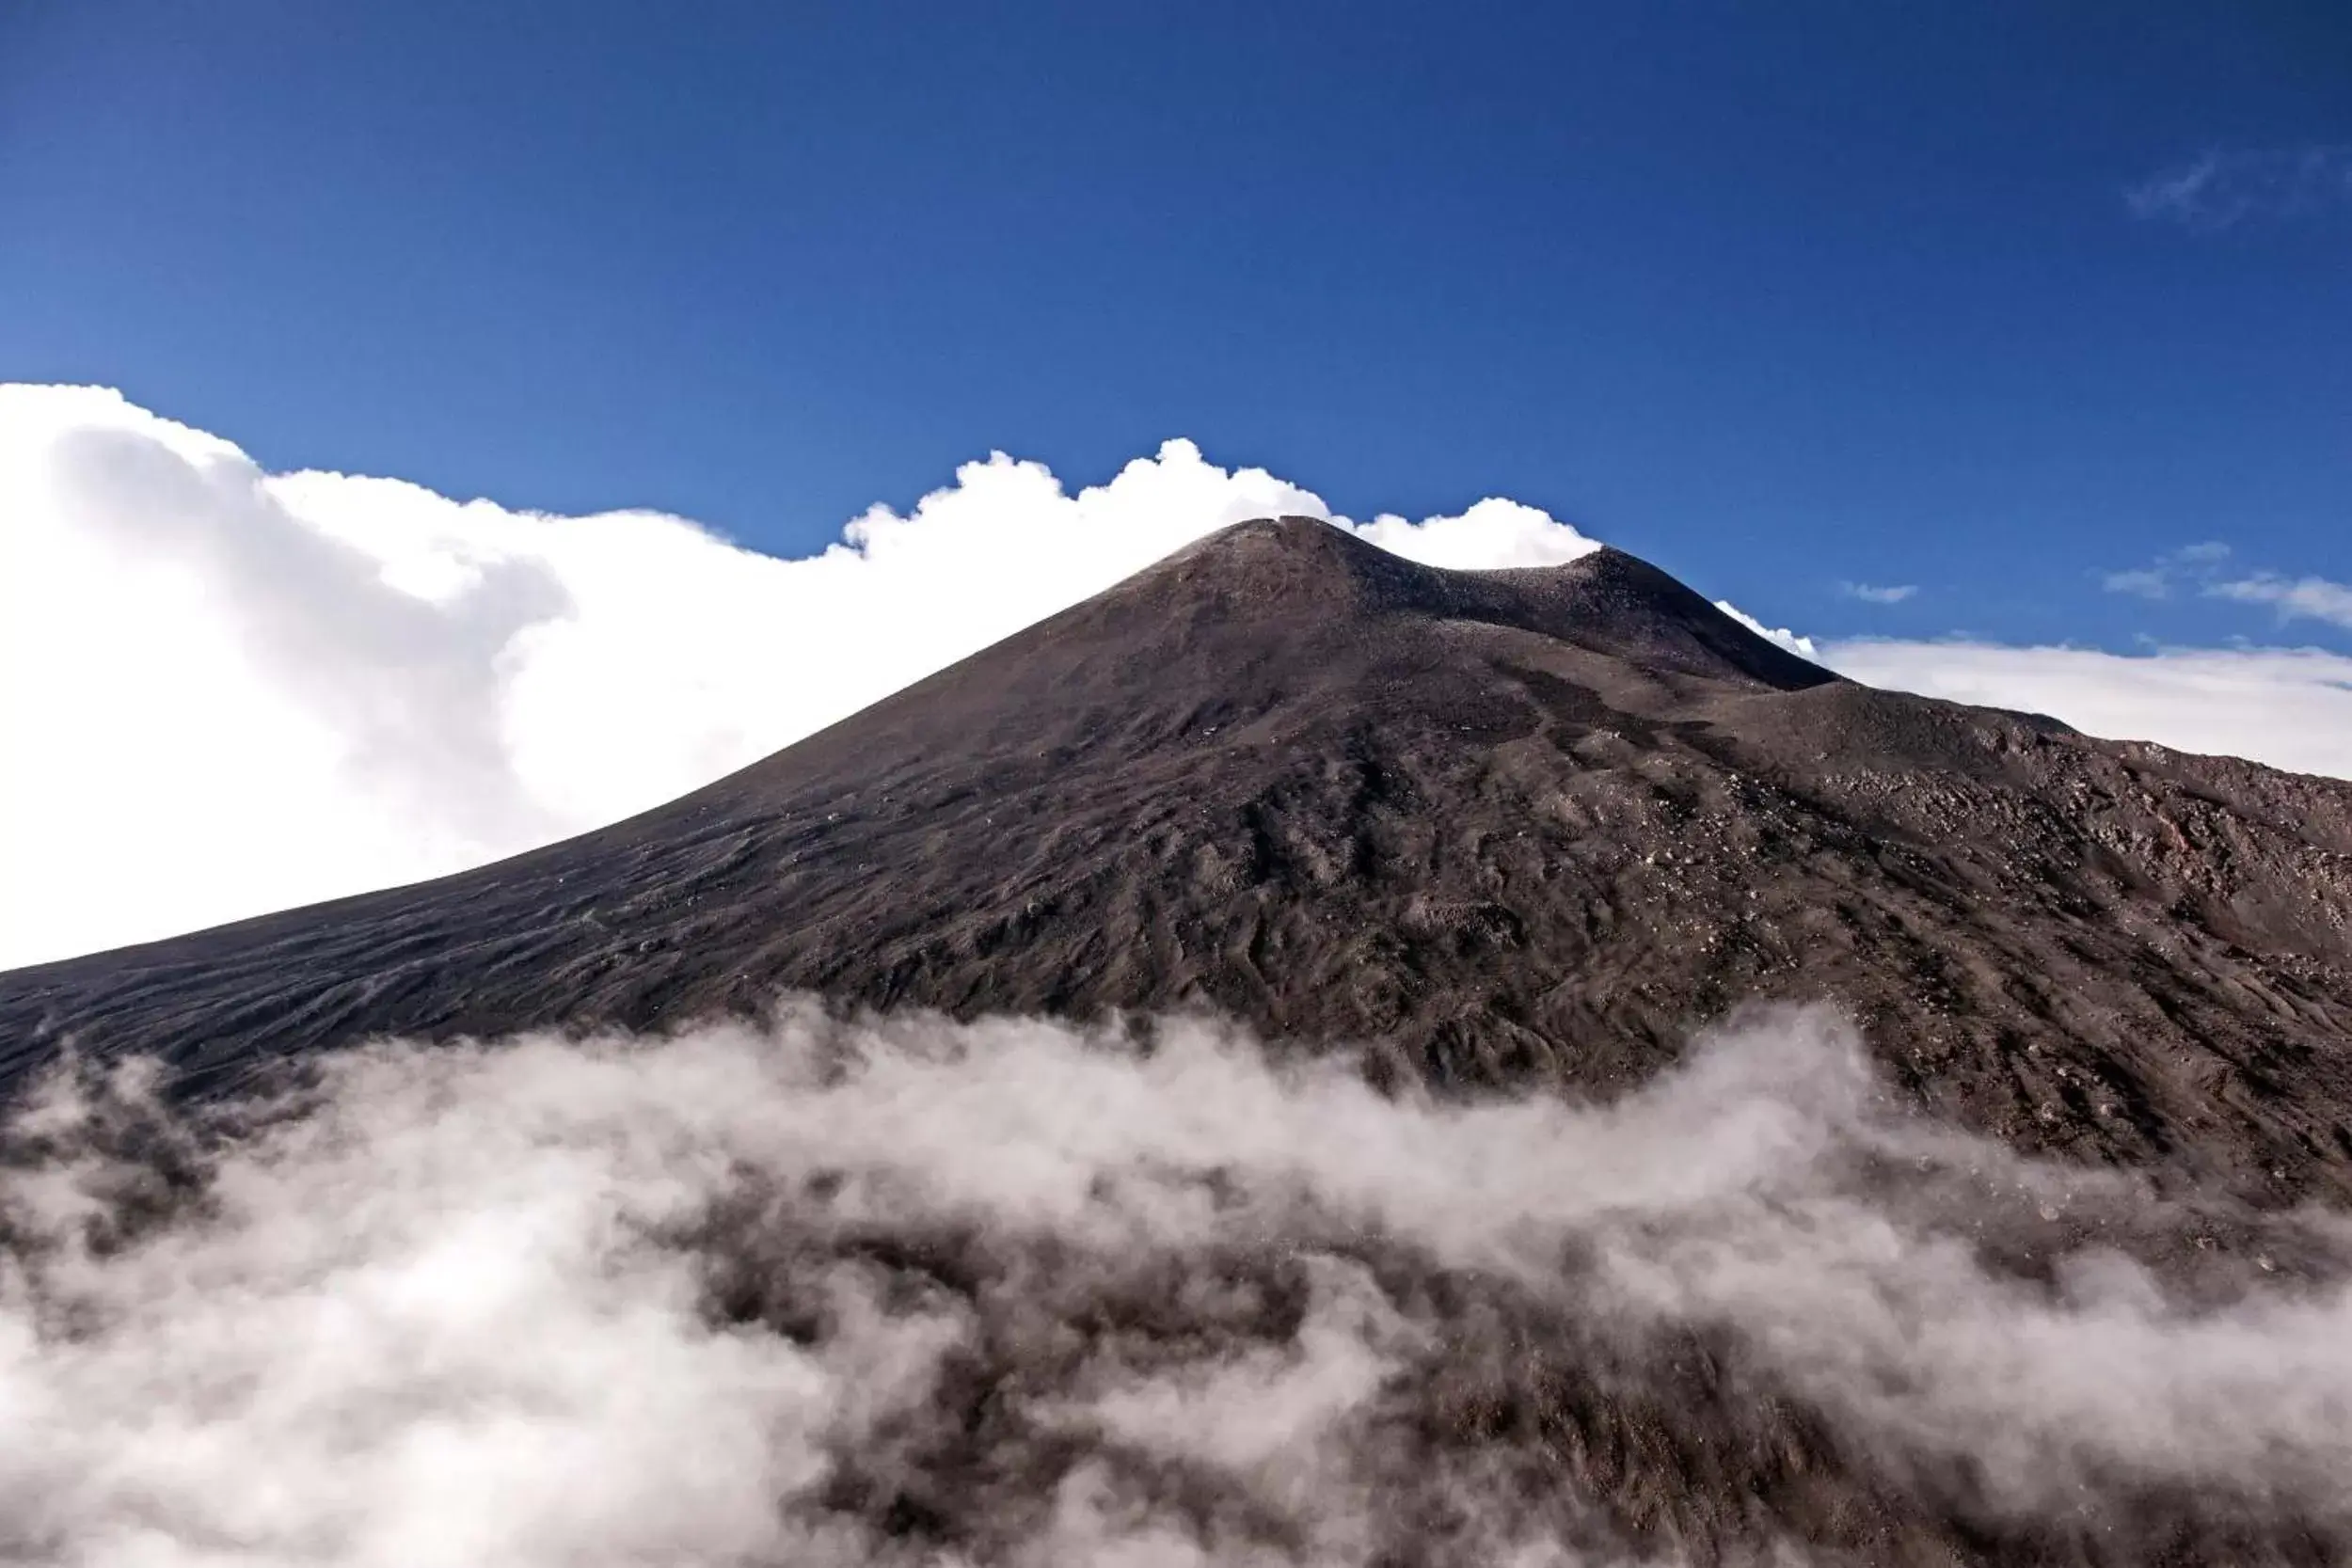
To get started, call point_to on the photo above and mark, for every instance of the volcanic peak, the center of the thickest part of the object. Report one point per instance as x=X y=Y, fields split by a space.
x=1606 y=602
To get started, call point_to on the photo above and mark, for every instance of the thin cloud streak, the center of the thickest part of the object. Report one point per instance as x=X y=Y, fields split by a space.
x=2297 y=598
x=2146 y=582
x=2190 y=563
x=2201 y=567
x=2219 y=190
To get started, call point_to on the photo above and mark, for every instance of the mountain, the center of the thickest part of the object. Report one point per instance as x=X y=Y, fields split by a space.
x=1512 y=826
x=1505 y=830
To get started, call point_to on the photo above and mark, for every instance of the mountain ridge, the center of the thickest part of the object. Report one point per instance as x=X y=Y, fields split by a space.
x=1524 y=826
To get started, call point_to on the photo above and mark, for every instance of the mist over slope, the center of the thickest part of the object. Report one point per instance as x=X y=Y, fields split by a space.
x=914 y=1292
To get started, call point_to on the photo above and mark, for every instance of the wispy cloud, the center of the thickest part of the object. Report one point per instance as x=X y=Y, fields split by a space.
x=2160 y=576
x=2198 y=569
x=1874 y=594
x=2295 y=598
x=2218 y=190
x=2148 y=582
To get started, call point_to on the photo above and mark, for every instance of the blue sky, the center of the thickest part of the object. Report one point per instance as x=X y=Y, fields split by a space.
x=1781 y=297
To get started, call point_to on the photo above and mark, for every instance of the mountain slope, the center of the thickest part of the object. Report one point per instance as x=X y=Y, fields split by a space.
x=1503 y=826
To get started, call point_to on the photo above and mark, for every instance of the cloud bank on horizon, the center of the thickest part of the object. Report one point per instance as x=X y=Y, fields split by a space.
x=232 y=690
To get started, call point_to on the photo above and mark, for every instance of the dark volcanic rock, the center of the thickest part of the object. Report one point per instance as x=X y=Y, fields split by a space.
x=1505 y=825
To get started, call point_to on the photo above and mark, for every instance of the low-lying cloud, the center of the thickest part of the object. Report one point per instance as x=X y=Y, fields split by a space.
x=2290 y=708
x=230 y=690
x=908 y=1291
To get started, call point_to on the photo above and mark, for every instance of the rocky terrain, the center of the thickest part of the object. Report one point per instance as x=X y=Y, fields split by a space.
x=1507 y=833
